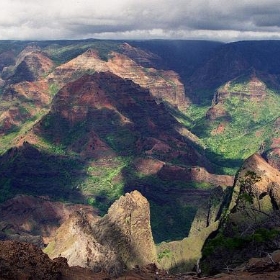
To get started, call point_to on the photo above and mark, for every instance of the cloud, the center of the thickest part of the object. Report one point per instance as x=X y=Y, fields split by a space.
x=224 y=20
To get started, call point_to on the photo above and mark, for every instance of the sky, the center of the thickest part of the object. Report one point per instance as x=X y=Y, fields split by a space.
x=219 y=20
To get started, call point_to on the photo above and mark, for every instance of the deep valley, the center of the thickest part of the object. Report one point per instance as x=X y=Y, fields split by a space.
x=116 y=155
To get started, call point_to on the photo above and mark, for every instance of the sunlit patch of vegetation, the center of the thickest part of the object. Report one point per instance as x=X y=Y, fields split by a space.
x=104 y=183
x=250 y=127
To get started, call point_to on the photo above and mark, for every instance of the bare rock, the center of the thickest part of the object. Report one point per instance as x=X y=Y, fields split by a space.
x=127 y=229
x=122 y=238
x=76 y=241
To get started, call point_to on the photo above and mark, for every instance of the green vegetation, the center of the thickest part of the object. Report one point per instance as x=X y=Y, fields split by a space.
x=53 y=89
x=222 y=242
x=166 y=253
x=5 y=190
x=9 y=139
x=248 y=127
x=63 y=51
x=171 y=220
x=103 y=183
x=59 y=165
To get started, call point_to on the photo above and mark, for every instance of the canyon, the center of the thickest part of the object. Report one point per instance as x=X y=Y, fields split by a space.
x=118 y=155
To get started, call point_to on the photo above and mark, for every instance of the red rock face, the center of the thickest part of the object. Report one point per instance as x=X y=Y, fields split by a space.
x=194 y=174
x=143 y=58
x=36 y=92
x=148 y=166
x=164 y=85
x=105 y=103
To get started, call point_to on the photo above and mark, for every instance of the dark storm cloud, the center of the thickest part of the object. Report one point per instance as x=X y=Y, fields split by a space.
x=201 y=19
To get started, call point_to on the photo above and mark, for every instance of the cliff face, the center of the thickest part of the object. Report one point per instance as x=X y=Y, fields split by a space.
x=271 y=150
x=122 y=238
x=15 y=263
x=31 y=67
x=20 y=260
x=253 y=89
x=194 y=174
x=256 y=194
x=164 y=85
x=76 y=241
x=251 y=226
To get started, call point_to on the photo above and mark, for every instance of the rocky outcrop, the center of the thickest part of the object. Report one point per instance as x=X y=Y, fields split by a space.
x=253 y=89
x=77 y=242
x=26 y=261
x=272 y=155
x=127 y=229
x=271 y=150
x=261 y=182
x=22 y=261
x=250 y=228
x=122 y=238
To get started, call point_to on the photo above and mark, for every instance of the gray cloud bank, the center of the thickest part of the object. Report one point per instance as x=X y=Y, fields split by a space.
x=224 y=20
